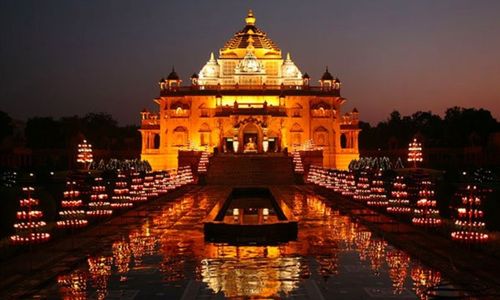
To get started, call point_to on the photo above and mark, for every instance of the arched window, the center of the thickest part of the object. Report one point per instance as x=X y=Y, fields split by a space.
x=343 y=141
x=204 y=134
x=180 y=136
x=296 y=110
x=320 y=136
x=156 y=141
x=296 y=128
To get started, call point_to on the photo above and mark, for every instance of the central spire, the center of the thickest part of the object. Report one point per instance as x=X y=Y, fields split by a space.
x=250 y=19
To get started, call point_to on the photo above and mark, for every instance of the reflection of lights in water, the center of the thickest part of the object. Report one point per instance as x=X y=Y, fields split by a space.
x=173 y=238
x=141 y=245
x=398 y=262
x=317 y=207
x=73 y=286
x=328 y=265
x=376 y=253
x=423 y=279
x=176 y=253
x=100 y=271
x=121 y=256
x=362 y=241
x=251 y=271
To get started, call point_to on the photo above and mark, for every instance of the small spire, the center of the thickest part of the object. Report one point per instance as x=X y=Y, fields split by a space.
x=212 y=56
x=327 y=75
x=288 y=56
x=173 y=75
x=250 y=19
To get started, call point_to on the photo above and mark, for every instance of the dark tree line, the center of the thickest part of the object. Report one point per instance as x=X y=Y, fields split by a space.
x=99 y=128
x=459 y=127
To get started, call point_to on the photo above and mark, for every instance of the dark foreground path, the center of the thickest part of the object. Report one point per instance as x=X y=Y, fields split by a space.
x=157 y=251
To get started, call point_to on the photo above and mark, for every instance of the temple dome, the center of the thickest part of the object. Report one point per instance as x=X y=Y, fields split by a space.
x=240 y=40
x=289 y=69
x=211 y=68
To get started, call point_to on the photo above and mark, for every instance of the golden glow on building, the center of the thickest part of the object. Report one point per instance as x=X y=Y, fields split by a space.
x=249 y=94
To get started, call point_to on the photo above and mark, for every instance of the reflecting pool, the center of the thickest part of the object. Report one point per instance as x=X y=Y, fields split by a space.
x=165 y=256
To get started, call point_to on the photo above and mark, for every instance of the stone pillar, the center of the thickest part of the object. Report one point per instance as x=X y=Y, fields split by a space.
x=144 y=141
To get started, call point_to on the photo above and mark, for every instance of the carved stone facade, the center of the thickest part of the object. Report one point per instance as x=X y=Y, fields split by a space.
x=249 y=96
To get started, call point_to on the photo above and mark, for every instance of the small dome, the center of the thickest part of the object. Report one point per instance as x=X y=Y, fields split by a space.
x=327 y=75
x=173 y=75
x=305 y=76
x=195 y=75
x=355 y=110
x=162 y=80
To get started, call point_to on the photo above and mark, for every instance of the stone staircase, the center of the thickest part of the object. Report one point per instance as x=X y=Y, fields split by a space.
x=258 y=169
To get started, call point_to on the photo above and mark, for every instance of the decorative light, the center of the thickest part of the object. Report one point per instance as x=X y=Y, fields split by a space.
x=72 y=214
x=99 y=205
x=30 y=229
x=297 y=163
x=399 y=202
x=415 y=152
x=184 y=176
x=84 y=155
x=149 y=188
x=377 y=194
x=470 y=228
x=350 y=185
x=160 y=184
x=426 y=214
x=362 y=192
x=121 y=194
x=136 y=188
x=202 y=164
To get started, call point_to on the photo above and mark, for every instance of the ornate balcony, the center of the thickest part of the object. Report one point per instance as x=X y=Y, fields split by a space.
x=250 y=109
x=262 y=89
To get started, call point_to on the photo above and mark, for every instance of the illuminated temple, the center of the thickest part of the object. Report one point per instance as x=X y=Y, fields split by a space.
x=249 y=99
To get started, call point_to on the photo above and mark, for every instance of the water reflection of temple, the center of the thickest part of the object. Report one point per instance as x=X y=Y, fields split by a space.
x=171 y=243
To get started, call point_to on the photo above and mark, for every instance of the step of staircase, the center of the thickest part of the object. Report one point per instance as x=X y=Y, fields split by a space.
x=250 y=170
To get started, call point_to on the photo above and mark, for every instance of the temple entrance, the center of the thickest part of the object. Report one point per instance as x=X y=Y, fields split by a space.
x=250 y=138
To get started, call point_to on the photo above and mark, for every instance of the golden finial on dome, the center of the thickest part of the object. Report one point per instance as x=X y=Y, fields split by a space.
x=250 y=19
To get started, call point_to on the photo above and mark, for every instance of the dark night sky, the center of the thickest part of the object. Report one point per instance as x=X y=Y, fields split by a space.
x=72 y=57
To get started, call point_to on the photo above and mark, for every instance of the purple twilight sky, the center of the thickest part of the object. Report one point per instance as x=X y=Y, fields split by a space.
x=64 y=57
